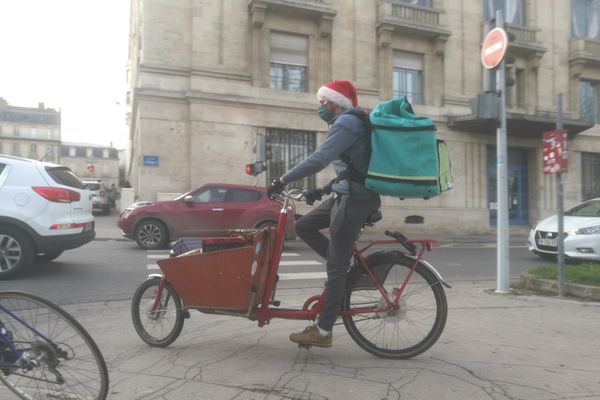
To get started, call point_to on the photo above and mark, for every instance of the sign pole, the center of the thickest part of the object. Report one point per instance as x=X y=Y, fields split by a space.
x=560 y=203
x=503 y=263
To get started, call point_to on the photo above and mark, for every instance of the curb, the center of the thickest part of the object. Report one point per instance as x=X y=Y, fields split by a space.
x=585 y=292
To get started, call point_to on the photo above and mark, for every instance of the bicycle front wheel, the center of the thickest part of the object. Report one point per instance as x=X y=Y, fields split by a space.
x=58 y=359
x=157 y=314
x=418 y=318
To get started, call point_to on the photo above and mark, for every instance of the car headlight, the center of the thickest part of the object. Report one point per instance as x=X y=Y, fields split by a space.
x=590 y=230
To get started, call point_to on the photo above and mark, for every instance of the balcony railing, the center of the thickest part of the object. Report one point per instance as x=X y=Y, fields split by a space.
x=411 y=19
x=524 y=39
x=584 y=50
x=522 y=33
x=423 y=15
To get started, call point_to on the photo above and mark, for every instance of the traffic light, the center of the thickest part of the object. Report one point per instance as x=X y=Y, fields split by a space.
x=255 y=168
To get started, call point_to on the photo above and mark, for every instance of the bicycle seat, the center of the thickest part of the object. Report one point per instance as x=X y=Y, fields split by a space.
x=373 y=218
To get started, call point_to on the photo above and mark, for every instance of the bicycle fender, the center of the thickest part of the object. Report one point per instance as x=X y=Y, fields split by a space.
x=432 y=269
x=356 y=272
x=152 y=276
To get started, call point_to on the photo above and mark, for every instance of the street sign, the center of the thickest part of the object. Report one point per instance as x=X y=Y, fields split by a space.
x=151 y=161
x=554 y=152
x=90 y=168
x=494 y=48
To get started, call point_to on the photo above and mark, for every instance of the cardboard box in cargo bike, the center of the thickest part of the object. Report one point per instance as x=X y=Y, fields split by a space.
x=224 y=274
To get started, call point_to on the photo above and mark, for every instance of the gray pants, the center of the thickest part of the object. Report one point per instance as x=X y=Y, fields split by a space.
x=344 y=215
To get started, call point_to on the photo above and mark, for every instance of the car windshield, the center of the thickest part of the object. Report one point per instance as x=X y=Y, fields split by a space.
x=588 y=209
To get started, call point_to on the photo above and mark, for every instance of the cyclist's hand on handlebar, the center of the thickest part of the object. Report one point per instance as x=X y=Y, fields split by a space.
x=312 y=195
x=275 y=187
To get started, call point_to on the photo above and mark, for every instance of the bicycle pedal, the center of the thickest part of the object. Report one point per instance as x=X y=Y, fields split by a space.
x=304 y=346
x=276 y=303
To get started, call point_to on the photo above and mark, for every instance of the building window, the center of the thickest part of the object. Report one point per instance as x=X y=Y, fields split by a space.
x=50 y=151
x=33 y=151
x=72 y=152
x=289 y=62
x=407 y=76
x=16 y=150
x=585 y=19
x=105 y=153
x=588 y=101
x=285 y=149
x=89 y=152
x=512 y=10
x=590 y=175
x=515 y=94
x=16 y=131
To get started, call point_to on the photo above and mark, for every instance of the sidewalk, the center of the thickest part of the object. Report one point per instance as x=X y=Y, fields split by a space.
x=494 y=346
x=107 y=229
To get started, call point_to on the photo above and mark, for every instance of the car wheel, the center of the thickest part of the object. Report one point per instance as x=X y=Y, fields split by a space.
x=151 y=234
x=48 y=256
x=16 y=252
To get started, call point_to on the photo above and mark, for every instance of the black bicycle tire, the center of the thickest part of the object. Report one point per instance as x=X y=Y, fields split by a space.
x=137 y=321
x=77 y=327
x=381 y=260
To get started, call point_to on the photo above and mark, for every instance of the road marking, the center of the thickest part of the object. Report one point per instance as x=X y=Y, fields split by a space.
x=301 y=262
x=303 y=275
x=160 y=254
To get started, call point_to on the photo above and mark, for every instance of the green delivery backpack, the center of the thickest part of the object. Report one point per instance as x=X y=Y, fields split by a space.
x=407 y=160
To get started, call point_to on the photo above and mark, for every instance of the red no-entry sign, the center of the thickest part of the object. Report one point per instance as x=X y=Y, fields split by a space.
x=494 y=47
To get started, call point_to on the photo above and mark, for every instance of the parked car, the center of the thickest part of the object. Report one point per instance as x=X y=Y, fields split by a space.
x=101 y=195
x=44 y=210
x=210 y=210
x=582 y=233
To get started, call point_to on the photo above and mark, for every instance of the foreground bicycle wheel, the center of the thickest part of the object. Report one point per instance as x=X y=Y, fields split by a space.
x=417 y=322
x=158 y=322
x=59 y=359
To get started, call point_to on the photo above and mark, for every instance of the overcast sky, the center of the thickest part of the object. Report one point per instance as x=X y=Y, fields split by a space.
x=68 y=54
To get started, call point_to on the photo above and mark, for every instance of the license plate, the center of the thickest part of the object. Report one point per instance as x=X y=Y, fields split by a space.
x=547 y=242
x=88 y=226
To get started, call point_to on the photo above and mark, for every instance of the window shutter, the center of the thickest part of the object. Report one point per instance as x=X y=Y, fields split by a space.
x=403 y=59
x=289 y=49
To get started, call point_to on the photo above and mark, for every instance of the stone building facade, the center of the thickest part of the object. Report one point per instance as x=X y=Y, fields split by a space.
x=216 y=84
x=31 y=132
x=92 y=162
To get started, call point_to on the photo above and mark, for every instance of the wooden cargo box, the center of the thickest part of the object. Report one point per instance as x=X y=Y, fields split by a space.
x=229 y=279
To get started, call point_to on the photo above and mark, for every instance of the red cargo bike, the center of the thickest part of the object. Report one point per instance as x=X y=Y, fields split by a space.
x=394 y=307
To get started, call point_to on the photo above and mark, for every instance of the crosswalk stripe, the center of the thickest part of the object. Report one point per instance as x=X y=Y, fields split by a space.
x=301 y=262
x=303 y=275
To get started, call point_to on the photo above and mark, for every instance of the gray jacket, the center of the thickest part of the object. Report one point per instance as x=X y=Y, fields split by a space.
x=347 y=136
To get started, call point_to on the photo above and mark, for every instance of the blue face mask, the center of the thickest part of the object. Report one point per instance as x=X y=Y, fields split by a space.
x=324 y=113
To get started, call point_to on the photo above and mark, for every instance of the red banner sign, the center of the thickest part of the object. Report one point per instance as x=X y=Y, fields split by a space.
x=554 y=152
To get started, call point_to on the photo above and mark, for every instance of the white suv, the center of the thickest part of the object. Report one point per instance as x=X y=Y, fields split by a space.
x=44 y=210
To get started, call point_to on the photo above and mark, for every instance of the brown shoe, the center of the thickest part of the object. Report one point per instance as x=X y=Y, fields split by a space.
x=311 y=337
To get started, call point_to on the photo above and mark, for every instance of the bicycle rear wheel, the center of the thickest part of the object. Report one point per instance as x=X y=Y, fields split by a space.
x=417 y=322
x=59 y=361
x=157 y=323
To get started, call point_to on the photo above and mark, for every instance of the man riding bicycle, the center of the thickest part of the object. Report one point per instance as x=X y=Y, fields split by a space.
x=347 y=148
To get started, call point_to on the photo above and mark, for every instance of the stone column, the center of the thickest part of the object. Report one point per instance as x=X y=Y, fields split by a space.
x=258 y=57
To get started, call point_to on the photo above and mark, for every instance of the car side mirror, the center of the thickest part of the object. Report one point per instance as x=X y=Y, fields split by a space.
x=188 y=199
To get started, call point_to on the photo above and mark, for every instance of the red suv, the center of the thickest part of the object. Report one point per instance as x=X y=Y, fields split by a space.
x=210 y=210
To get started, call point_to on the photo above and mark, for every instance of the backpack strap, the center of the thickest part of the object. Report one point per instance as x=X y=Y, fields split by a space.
x=351 y=172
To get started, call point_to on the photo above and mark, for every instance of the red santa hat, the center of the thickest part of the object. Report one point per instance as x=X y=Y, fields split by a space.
x=342 y=93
